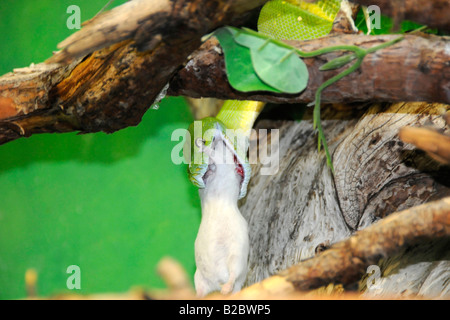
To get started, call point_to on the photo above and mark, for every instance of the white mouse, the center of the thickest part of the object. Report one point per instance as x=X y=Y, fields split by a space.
x=222 y=245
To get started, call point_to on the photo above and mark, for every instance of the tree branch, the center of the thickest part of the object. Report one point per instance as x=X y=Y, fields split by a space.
x=113 y=87
x=437 y=145
x=414 y=69
x=346 y=261
x=151 y=23
x=434 y=143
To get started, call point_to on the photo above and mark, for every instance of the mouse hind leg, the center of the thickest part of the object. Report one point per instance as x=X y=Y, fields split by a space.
x=202 y=286
x=228 y=287
x=237 y=269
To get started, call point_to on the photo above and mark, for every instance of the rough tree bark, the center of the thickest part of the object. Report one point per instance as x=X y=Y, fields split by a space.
x=346 y=261
x=303 y=206
x=111 y=88
x=300 y=208
x=415 y=69
x=434 y=143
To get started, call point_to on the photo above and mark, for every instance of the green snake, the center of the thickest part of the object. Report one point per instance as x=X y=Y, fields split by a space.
x=280 y=20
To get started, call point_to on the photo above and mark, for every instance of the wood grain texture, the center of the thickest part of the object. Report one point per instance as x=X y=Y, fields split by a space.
x=411 y=235
x=294 y=210
x=150 y=23
x=302 y=206
x=132 y=52
x=435 y=143
x=348 y=260
x=140 y=47
x=422 y=270
x=378 y=174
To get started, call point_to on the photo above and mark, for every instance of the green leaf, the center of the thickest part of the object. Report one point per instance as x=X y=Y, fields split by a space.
x=238 y=64
x=282 y=70
x=385 y=23
x=276 y=65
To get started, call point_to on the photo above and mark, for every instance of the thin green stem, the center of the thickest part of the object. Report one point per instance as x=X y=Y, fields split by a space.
x=286 y=57
x=316 y=113
x=264 y=44
x=383 y=45
x=359 y=54
x=358 y=51
x=418 y=29
x=332 y=80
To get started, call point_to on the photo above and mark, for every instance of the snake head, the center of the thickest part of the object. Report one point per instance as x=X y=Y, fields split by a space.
x=202 y=137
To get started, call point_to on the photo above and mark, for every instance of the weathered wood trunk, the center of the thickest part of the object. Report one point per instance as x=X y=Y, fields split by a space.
x=304 y=207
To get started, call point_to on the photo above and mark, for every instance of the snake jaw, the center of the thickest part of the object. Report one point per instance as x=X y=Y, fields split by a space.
x=199 y=171
x=196 y=177
x=243 y=168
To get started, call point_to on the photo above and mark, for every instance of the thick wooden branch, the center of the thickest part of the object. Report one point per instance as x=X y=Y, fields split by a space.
x=415 y=69
x=151 y=23
x=112 y=88
x=437 y=145
x=433 y=13
x=346 y=261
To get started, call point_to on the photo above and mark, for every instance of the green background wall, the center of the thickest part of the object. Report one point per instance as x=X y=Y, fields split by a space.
x=111 y=204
